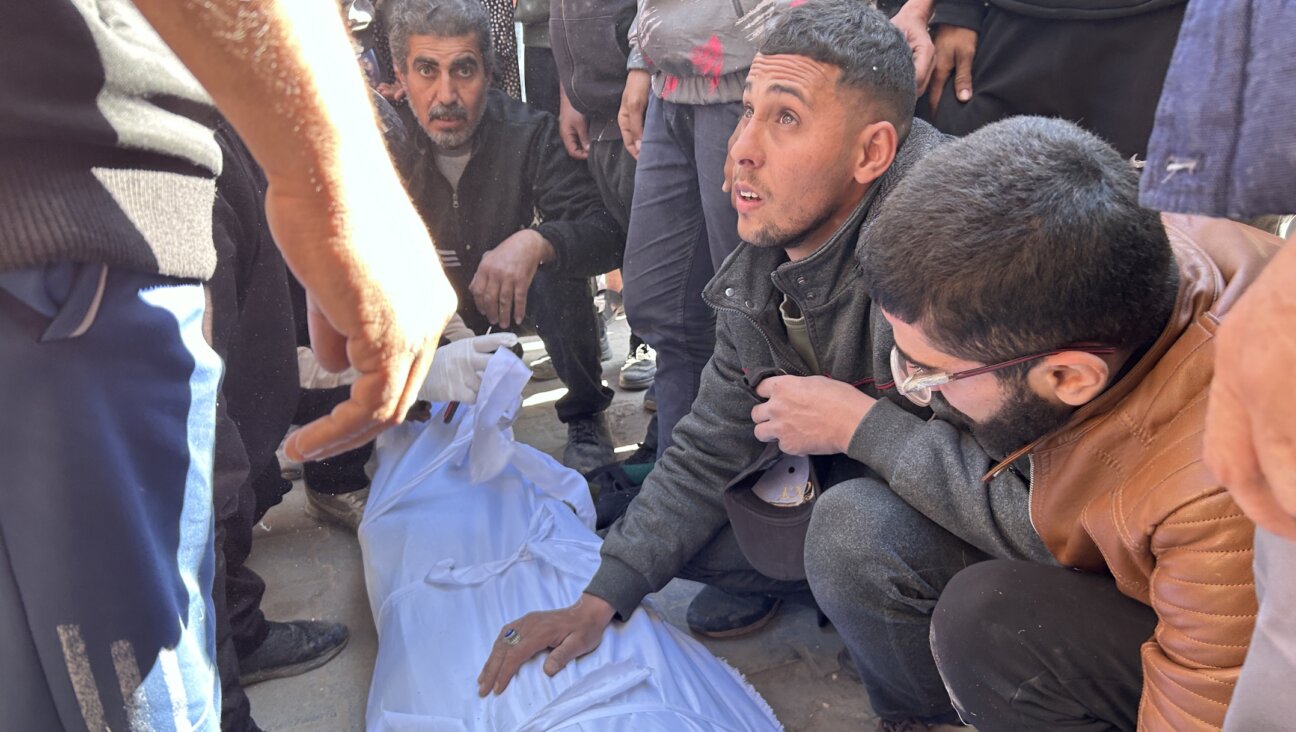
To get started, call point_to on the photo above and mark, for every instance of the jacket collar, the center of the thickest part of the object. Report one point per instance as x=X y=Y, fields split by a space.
x=1216 y=261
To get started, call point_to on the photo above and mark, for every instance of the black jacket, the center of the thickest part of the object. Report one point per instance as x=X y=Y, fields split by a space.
x=969 y=13
x=519 y=177
x=590 y=42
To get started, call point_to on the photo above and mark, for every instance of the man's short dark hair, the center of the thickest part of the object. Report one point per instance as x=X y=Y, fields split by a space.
x=871 y=53
x=439 y=18
x=1022 y=237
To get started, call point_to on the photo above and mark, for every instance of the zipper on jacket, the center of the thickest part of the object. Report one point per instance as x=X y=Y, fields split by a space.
x=1030 y=493
x=768 y=343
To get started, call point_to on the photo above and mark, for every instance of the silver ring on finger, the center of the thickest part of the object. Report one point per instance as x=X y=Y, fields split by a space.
x=512 y=637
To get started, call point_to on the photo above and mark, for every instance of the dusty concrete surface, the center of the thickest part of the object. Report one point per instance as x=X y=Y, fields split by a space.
x=314 y=571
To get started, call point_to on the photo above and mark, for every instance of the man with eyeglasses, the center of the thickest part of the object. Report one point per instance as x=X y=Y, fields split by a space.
x=1063 y=336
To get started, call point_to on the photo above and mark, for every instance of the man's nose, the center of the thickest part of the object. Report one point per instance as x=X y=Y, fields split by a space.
x=447 y=92
x=746 y=150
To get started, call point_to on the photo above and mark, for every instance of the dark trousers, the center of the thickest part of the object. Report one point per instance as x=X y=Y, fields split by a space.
x=561 y=309
x=722 y=564
x=682 y=226
x=878 y=566
x=1023 y=646
x=613 y=170
x=541 y=79
x=1105 y=75
x=343 y=473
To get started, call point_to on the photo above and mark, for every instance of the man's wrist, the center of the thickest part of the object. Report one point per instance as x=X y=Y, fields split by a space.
x=540 y=248
x=595 y=609
x=852 y=415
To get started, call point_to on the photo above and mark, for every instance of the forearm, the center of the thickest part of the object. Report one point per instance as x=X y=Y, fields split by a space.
x=937 y=469
x=584 y=248
x=681 y=507
x=282 y=72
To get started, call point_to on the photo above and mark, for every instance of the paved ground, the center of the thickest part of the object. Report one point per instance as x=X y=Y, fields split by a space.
x=314 y=571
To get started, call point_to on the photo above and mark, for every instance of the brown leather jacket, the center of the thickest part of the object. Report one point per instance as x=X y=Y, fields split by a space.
x=1122 y=487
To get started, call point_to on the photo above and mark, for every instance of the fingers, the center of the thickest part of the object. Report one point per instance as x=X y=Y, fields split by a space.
x=519 y=304
x=573 y=646
x=506 y=659
x=765 y=389
x=577 y=147
x=943 y=66
x=485 y=289
x=492 y=342
x=924 y=54
x=582 y=137
x=328 y=344
x=373 y=407
x=963 y=73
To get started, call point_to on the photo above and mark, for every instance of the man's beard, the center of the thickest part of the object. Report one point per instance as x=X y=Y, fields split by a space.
x=770 y=235
x=449 y=112
x=1024 y=417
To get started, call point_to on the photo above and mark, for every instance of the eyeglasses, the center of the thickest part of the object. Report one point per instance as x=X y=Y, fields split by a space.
x=918 y=384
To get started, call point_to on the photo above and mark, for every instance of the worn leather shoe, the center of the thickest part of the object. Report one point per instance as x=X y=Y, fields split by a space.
x=344 y=510
x=719 y=614
x=292 y=648
x=589 y=444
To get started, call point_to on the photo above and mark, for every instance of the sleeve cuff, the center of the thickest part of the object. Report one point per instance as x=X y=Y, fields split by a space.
x=553 y=234
x=882 y=436
x=960 y=13
x=622 y=587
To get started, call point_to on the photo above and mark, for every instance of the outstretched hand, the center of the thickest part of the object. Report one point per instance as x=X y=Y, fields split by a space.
x=568 y=633
x=380 y=310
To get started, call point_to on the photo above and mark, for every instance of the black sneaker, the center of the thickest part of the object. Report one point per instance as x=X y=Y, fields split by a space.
x=292 y=648
x=589 y=444
x=613 y=491
x=719 y=614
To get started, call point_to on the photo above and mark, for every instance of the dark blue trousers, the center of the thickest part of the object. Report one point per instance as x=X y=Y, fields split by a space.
x=108 y=397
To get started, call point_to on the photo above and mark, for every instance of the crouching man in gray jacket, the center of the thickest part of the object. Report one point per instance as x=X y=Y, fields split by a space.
x=826 y=133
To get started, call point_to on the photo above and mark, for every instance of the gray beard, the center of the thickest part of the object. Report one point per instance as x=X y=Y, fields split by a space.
x=450 y=140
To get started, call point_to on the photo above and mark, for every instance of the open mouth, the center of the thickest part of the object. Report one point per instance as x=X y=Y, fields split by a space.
x=746 y=199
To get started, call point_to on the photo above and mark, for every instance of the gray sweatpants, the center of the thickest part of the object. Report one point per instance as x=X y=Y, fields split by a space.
x=877 y=566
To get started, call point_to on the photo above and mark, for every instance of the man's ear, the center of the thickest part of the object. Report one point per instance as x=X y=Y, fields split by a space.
x=400 y=73
x=1074 y=378
x=877 y=149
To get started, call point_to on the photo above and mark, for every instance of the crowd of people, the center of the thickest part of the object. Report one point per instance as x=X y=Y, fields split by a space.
x=964 y=323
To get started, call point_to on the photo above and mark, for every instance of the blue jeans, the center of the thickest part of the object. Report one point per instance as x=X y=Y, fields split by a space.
x=109 y=404
x=682 y=226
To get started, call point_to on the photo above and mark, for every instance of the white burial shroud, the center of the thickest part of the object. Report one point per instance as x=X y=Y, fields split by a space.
x=466 y=530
